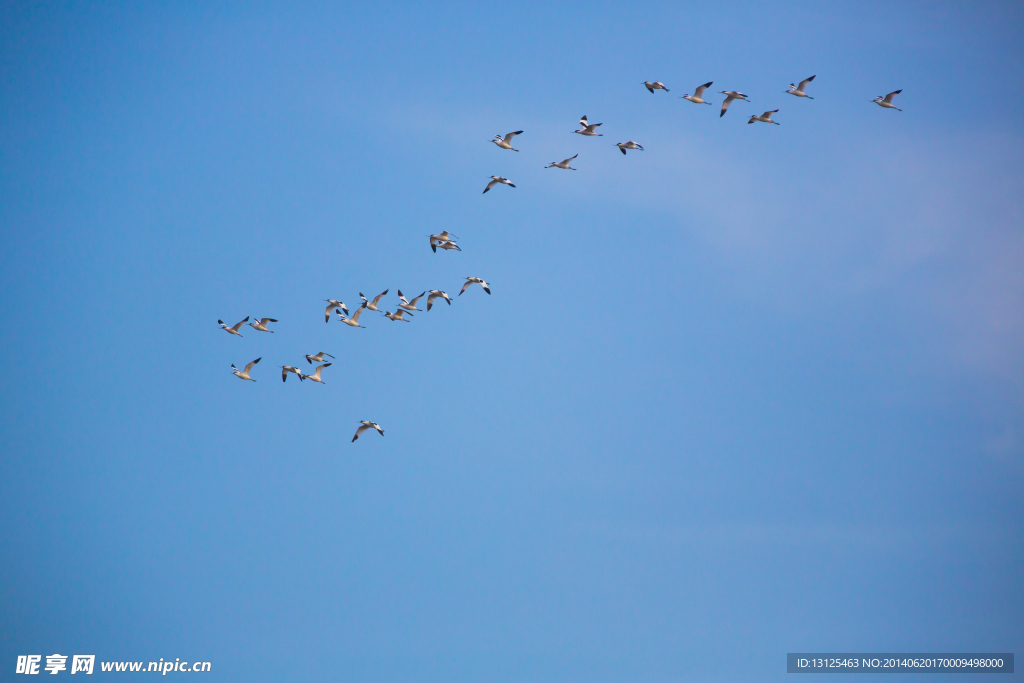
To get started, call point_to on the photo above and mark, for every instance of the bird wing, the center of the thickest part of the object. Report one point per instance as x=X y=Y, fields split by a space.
x=768 y=114
x=508 y=138
x=725 y=105
x=803 y=83
x=362 y=428
x=486 y=286
x=648 y=87
x=402 y=297
x=565 y=161
x=490 y=185
x=413 y=302
x=621 y=147
x=888 y=98
x=284 y=374
x=467 y=284
x=379 y=296
x=701 y=88
x=583 y=121
x=377 y=427
x=326 y=354
x=250 y=365
x=239 y=324
x=359 y=312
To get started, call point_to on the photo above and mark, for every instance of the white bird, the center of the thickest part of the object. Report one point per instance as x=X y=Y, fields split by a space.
x=285 y=369
x=354 y=320
x=331 y=305
x=765 y=117
x=506 y=143
x=372 y=305
x=233 y=330
x=434 y=294
x=318 y=358
x=798 y=90
x=657 y=85
x=442 y=237
x=397 y=316
x=731 y=95
x=244 y=374
x=409 y=305
x=588 y=128
x=623 y=146
x=476 y=280
x=887 y=100
x=497 y=179
x=447 y=245
x=367 y=425
x=261 y=324
x=316 y=374
x=698 y=95
x=563 y=164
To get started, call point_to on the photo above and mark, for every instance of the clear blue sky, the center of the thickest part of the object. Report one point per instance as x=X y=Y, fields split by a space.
x=755 y=389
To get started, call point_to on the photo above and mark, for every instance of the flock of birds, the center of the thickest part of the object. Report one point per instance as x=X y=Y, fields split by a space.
x=447 y=241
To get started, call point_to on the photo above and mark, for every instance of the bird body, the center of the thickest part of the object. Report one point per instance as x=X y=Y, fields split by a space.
x=437 y=293
x=364 y=425
x=476 y=280
x=285 y=369
x=235 y=327
x=397 y=316
x=765 y=117
x=261 y=324
x=698 y=95
x=506 y=142
x=731 y=95
x=331 y=305
x=319 y=358
x=588 y=128
x=372 y=305
x=657 y=85
x=798 y=90
x=623 y=146
x=244 y=374
x=563 y=163
x=497 y=179
x=316 y=373
x=887 y=100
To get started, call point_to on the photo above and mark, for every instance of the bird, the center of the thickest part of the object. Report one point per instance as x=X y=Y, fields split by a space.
x=261 y=324
x=497 y=179
x=657 y=85
x=367 y=425
x=409 y=305
x=731 y=95
x=397 y=316
x=447 y=244
x=372 y=305
x=563 y=164
x=434 y=294
x=244 y=374
x=233 y=330
x=354 y=320
x=698 y=95
x=798 y=90
x=887 y=100
x=765 y=117
x=588 y=128
x=331 y=305
x=623 y=146
x=316 y=373
x=474 y=280
x=318 y=357
x=442 y=237
x=285 y=369
x=506 y=143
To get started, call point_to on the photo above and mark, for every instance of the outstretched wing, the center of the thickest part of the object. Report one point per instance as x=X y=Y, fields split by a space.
x=508 y=138
x=803 y=83
x=894 y=93
x=725 y=106
x=362 y=428
x=490 y=185
x=701 y=88
x=250 y=365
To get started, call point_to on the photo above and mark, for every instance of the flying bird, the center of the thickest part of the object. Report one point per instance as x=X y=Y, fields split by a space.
x=506 y=143
x=497 y=179
x=623 y=146
x=731 y=95
x=316 y=373
x=765 y=117
x=476 y=280
x=331 y=305
x=657 y=85
x=397 y=316
x=354 y=320
x=563 y=164
x=319 y=358
x=798 y=90
x=887 y=100
x=285 y=369
x=367 y=425
x=233 y=330
x=261 y=324
x=434 y=294
x=698 y=95
x=443 y=237
x=244 y=374
x=409 y=305
x=372 y=305
x=448 y=245
x=588 y=128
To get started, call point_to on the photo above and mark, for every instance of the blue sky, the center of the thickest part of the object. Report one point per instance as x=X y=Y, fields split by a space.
x=756 y=389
